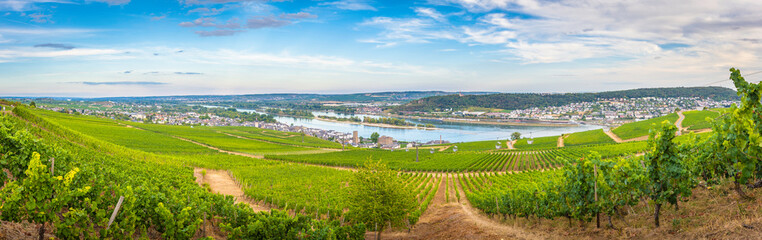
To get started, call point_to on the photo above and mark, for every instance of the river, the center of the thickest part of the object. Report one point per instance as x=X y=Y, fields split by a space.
x=453 y=132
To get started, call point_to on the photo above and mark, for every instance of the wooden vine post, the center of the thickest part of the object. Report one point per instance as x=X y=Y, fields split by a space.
x=116 y=210
x=595 y=185
x=497 y=206
x=52 y=168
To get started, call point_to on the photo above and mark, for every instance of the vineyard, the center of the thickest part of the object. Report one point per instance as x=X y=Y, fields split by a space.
x=278 y=137
x=159 y=193
x=587 y=137
x=437 y=161
x=478 y=145
x=641 y=128
x=223 y=141
x=66 y=174
x=537 y=143
x=695 y=120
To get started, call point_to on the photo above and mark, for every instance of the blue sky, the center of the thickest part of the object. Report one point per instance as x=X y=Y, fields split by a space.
x=93 y=48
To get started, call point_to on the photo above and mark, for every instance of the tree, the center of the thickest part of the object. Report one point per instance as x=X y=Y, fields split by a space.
x=515 y=136
x=374 y=137
x=735 y=145
x=378 y=197
x=669 y=178
x=32 y=104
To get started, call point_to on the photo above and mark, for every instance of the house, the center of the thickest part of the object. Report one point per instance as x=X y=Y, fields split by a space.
x=385 y=140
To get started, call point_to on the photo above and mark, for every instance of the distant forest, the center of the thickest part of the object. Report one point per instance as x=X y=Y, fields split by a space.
x=513 y=101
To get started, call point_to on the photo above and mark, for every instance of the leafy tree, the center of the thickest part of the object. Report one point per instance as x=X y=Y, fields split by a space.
x=735 y=146
x=378 y=197
x=669 y=178
x=32 y=104
x=515 y=136
x=374 y=137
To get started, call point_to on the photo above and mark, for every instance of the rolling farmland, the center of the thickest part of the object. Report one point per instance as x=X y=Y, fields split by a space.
x=310 y=177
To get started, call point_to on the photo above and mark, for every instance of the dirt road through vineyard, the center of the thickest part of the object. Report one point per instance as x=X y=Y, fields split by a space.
x=221 y=182
x=453 y=220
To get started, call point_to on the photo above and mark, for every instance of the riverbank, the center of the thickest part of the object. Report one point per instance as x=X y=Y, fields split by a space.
x=527 y=124
x=376 y=124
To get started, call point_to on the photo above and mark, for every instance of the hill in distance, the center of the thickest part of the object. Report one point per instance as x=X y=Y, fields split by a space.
x=404 y=96
x=513 y=101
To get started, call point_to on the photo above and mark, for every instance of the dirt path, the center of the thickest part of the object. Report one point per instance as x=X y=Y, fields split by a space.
x=613 y=136
x=561 y=141
x=455 y=220
x=510 y=144
x=221 y=182
x=619 y=140
x=679 y=123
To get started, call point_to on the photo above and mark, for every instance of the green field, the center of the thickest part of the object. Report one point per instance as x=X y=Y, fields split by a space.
x=281 y=180
x=308 y=189
x=483 y=189
x=110 y=131
x=287 y=138
x=596 y=136
x=695 y=120
x=159 y=190
x=641 y=128
x=479 y=145
x=538 y=143
x=212 y=137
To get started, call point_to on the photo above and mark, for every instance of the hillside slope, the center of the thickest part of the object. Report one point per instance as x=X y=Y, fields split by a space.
x=511 y=101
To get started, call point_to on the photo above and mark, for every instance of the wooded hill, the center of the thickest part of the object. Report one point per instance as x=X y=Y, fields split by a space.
x=512 y=101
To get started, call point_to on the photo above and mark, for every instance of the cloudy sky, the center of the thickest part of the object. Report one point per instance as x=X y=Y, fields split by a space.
x=93 y=48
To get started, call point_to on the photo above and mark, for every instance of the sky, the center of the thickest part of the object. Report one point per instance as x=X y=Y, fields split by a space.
x=98 y=48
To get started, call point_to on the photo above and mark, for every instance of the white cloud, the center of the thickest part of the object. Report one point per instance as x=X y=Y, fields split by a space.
x=113 y=2
x=547 y=31
x=2 y=40
x=432 y=13
x=304 y=62
x=15 y=54
x=25 y=5
x=409 y=30
x=498 y=19
x=45 y=31
x=354 y=5
x=489 y=5
x=488 y=36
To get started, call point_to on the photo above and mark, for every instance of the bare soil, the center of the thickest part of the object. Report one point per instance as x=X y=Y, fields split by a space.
x=679 y=123
x=455 y=220
x=221 y=182
x=619 y=140
x=23 y=230
x=710 y=213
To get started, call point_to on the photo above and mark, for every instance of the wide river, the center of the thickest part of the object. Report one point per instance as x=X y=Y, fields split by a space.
x=453 y=132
